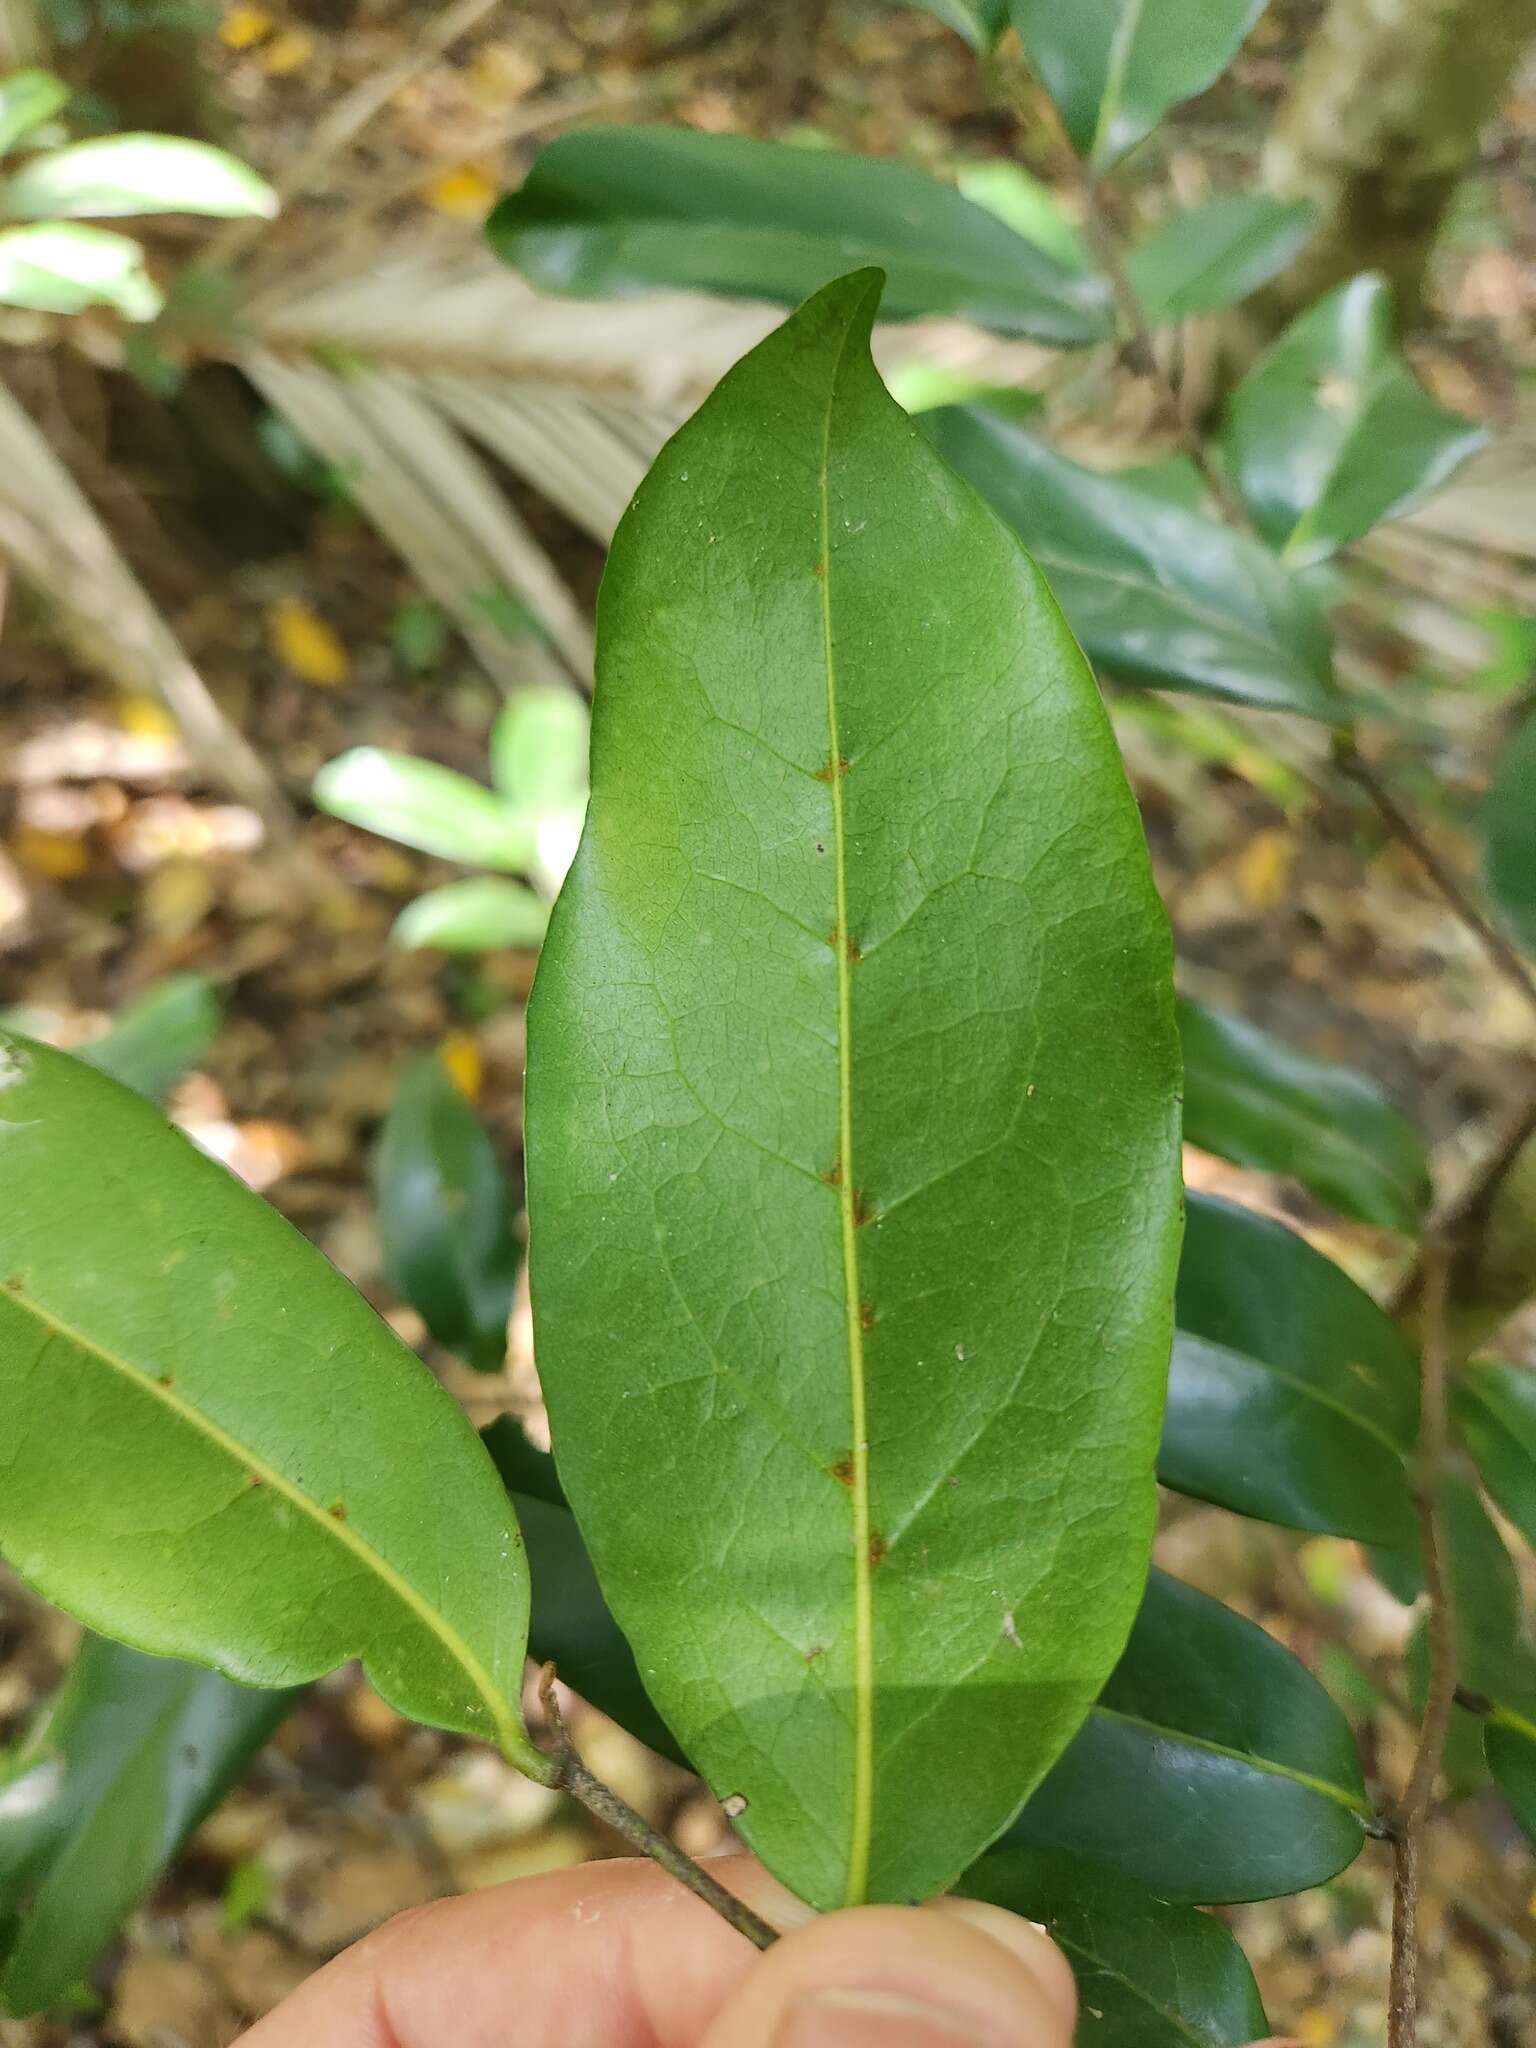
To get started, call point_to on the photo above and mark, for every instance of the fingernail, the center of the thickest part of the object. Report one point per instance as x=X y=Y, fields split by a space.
x=882 y=2019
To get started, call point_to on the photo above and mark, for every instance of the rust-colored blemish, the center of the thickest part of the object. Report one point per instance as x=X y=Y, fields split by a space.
x=818 y=568
x=338 y=1512
x=852 y=950
x=867 y=1316
x=16 y=1283
x=830 y=770
x=842 y=1471
x=861 y=1209
x=877 y=1549
x=253 y=1480
x=816 y=1650
x=165 y=1379
x=833 y=1174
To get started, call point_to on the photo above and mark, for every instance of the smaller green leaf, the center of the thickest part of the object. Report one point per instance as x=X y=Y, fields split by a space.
x=1509 y=835
x=27 y=100
x=154 y=1041
x=419 y=631
x=1217 y=253
x=135 y=1751
x=426 y=806
x=1028 y=206
x=1115 y=67
x=1251 y=1098
x=1330 y=432
x=445 y=1224
x=59 y=268
x=979 y=21
x=114 y=175
x=482 y=914
x=539 y=749
x=512 y=617
x=1495 y=1652
x=1495 y=1410
x=1509 y=1746
x=1149 y=1975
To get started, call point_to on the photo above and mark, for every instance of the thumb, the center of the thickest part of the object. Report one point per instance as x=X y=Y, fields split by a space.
x=957 y=1974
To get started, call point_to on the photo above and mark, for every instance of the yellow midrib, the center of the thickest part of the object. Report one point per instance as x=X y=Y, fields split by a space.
x=509 y=1731
x=847 y=1197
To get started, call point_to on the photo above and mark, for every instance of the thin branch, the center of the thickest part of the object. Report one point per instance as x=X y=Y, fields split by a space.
x=573 y=1776
x=1460 y=1221
x=1412 y=1809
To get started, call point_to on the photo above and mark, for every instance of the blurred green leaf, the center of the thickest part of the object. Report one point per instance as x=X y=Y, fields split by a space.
x=482 y=914
x=134 y=1752
x=1217 y=253
x=1149 y=1975
x=445 y=1223
x=1509 y=1745
x=418 y=635
x=152 y=1042
x=426 y=806
x=979 y=21
x=1509 y=834
x=507 y=612
x=919 y=386
x=1156 y=593
x=628 y=209
x=1115 y=67
x=57 y=267
x=539 y=749
x=1028 y=206
x=27 y=100
x=1495 y=1410
x=114 y=175
x=1253 y=1099
x=1330 y=432
x=1213 y=1766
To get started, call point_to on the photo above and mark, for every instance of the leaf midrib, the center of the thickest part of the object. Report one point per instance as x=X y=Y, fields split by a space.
x=509 y=1732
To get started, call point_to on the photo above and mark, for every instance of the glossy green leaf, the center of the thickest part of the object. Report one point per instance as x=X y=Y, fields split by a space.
x=133 y=1754
x=851 y=1132
x=979 y=21
x=1149 y=1975
x=1214 y=1766
x=481 y=915
x=1253 y=1099
x=1330 y=432
x=56 y=267
x=1495 y=1410
x=114 y=175
x=445 y=1224
x=152 y=1042
x=1291 y=1396
x=630 y=209
x=28 y=99
x=1495 y=1649
x=1217 y=253
x=1115 y=67
x=427 y=806
x=1510 y=1749
x=1509 y=835
x=539 y=749
x=204 y=1426
x=1156 y=593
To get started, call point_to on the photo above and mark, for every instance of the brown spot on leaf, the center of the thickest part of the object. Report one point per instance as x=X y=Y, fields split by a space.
x=253 y=1480
x=16 y=1283
x=867 y=1316
x=338 y=1512
x=818 y=568
x=816 y=1650
x=861 y=1209
x=851 y=947
x=842 y=1471
x=833 y=1174
x=165 y=1379
x=878 y=1547
x=830 y=770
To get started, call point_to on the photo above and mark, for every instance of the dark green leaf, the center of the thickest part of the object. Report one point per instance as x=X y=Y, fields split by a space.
x=1495 y=1654
x=979 y=21
x=445 y=1225
x=1330 y=432
x=134 y=1753
x=852 y=1047
x=154 y=1041
x=58 y=267
x=480 y=915
x=1115 y=67
x=1253 y=1099
x=1509 y=835
x=1217 y=253
x=204 y=1426
x=1214 y=1766
x=115 y=175
x=1291 y=1396
x=1509 y=1744
x=1155 y=593
x=1149 y=1975
x=1495 y=1409
x=628 y=209
x=29 y=98
x=421 y=804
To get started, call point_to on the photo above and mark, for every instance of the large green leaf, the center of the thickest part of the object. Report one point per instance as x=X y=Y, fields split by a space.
x=424 y=805
x=1156 y=593
x=152 y=1043
x=1149 y=1975
x=133 y=1754
x=1495 y=1409
x=29 y=98
x=445 y=1224
x=1509 y=835
x=114 y=175
x=1214 y=1766
x=851 y=1132
x=1253 y=1099
x=1330 y=432
x=1291 y=1396
x=979 y=21
x=61 y=267
x=1217 y=253
x=203 y=1426
x=628 y=209
x=1115 y=67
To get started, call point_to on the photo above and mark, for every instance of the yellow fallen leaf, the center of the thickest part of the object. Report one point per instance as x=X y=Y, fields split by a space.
x=459 y=1055
x=464 y=193
x=58 y=855
x=244 y=26
x=306 y=644
x=1264 y=866
x=144 y=716
x=1316 y=2028
x=288 y=52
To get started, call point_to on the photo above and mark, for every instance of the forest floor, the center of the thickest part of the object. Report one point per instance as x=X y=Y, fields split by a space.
x=121 y=862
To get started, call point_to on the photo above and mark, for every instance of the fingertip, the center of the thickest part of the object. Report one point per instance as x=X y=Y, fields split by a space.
x=1026 y=1939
